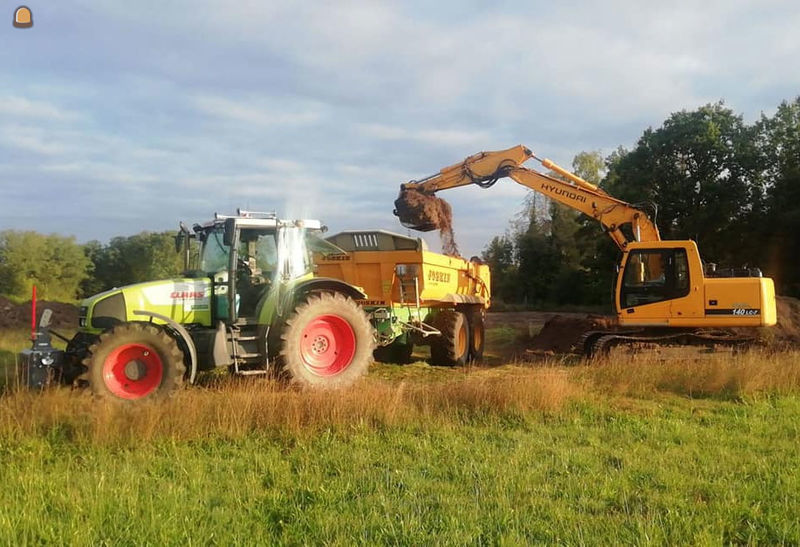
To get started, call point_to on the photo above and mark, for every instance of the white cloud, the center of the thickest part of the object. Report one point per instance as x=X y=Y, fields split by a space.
x=253 y=112
x=22 y=107
x=30 y=139
x=440 y=137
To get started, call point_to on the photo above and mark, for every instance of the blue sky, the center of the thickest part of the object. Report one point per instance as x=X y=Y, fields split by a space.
x=118 y=117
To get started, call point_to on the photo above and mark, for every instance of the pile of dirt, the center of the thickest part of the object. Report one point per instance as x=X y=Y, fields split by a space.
x=561 y=333
x=788 y=328
x=425 y=212
x=18 y=316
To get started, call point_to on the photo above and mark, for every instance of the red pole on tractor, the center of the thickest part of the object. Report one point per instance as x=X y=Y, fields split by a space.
x=33 y=314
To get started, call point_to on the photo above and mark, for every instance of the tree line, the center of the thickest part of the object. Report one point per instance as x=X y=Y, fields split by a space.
x=64 y=270
x=704 y=174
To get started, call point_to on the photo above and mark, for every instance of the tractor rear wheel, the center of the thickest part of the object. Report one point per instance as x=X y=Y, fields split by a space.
x=327 y=342
x=477 y=335
x=451 y=348
x=135 y=361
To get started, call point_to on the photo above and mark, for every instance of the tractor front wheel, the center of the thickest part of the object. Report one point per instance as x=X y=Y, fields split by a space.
x=135 y=361
x=327 y=342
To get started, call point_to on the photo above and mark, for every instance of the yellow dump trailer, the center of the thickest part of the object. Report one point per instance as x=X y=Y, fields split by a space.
x=414 y=296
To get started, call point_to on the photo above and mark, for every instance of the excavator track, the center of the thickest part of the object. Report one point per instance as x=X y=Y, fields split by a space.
x=600 y=343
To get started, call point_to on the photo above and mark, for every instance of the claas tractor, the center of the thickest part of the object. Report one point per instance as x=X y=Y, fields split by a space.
x=248 y=301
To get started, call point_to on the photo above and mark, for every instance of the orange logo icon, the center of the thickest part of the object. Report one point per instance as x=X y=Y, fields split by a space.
x=23 y=18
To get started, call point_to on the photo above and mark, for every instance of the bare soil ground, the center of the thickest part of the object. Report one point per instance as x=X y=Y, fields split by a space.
x=551 y=332
x=18 y=316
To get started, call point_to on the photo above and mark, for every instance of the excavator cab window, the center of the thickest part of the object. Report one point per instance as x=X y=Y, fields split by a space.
x=654 y=275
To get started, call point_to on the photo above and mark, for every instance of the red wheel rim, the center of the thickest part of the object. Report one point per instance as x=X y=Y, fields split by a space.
x=327 y=345
x=132 y=371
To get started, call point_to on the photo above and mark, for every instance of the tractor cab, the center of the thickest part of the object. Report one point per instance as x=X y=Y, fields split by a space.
x=246 y=256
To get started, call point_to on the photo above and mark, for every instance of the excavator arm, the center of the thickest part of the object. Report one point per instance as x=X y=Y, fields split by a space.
x=485 y=168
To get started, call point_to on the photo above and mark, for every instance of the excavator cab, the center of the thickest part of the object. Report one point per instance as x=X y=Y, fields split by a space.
x=662 y=283
x=654 y=275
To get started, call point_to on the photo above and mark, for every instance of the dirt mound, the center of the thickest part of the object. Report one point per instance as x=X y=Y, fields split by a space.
x=788 y=327
x=425 y=212
x=18 y=316
x=561 y=333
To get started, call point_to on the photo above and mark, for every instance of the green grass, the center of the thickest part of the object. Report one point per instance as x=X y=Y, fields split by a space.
x=667 y=472
x=11 y=343
x=626 y=451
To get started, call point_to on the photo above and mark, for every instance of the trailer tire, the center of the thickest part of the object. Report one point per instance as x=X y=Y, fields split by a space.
x=451 y=348
x=477 y=335
x=327 y=342
x=395 y=353
x=135 y=361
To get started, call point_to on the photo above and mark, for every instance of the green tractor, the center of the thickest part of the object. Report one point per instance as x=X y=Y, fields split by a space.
x=248 y=301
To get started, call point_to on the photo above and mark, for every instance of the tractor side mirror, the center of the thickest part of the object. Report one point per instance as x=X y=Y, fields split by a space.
x=179 y=241
x=227 y=234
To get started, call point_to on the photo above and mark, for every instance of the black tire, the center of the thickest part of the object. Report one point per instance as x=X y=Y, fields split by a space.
x=477 y=335
x=135 y=361
x=321 y=324
x=395 y=353
x=451 y=348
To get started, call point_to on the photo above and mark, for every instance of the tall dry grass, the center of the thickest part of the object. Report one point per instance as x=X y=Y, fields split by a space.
x=729 y=376
x=232 y=409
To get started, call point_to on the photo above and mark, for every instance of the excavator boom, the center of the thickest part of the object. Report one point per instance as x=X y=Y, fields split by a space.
x=486 y=168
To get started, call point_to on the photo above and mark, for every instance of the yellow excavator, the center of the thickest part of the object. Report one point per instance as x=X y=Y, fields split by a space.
x=663 y=292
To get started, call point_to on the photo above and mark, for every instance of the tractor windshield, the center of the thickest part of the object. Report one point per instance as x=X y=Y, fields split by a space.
x=214 y=256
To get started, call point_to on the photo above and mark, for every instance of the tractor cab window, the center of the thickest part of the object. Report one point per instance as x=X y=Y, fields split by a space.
x=257 y=264
x=654 y=276
x=258 y=252
x=214 y=254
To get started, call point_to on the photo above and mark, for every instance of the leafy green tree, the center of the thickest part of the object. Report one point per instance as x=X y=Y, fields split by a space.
x=146 y=256
x=499 y=255
x=779 y=146
x=701 y=169
x=55 y=264
x=538 y=259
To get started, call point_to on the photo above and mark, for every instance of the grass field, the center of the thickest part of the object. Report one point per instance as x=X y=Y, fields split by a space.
x=631 y=450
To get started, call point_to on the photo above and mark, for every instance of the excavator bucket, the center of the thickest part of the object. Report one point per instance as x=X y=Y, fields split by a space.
x=420 y=211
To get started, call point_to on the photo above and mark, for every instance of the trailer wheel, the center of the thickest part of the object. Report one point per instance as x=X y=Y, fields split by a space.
x=477 y=335
x=134 y=361
x=451 y=348
x=327 y=342
x=396 y=352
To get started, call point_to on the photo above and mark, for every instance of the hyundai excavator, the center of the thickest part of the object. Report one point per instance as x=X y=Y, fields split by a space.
x=663 y=293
